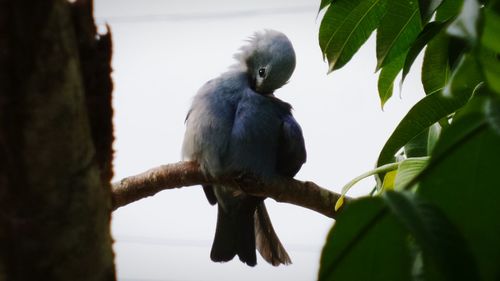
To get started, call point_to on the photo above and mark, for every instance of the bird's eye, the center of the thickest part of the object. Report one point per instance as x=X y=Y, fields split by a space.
x=262 y=72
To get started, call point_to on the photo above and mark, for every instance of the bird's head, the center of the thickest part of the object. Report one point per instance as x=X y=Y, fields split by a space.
x=269 y=60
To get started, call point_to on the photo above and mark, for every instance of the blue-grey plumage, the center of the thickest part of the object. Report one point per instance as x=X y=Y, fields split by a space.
x=236 y=124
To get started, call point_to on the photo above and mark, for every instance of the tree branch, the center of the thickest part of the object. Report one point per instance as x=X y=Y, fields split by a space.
x=306 y=194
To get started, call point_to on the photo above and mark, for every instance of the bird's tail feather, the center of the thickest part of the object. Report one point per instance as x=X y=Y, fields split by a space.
x=235 y=235
x=268 y=243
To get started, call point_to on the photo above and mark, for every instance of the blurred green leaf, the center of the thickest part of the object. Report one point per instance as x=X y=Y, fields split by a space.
x=490 y=61
x=398 y=28
x=427 y=8
x=346 y=26
x=466 y=24
x=470 y=126
x=386 y=79
x=445 y=252
x=493 y=113
x=490 y=37
x=435 y=68
x=417 y=146
x=366 y=243
x=434 y=133
x=462 y=180
x=495 y=5
x=430 y=31
x=408 y=169
x=456 y=49
x=449 y=9
x=489 y=52
x=432 y=108
x=465 y=78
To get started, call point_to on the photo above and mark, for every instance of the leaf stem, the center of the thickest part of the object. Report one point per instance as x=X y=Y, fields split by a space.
x=382 y=169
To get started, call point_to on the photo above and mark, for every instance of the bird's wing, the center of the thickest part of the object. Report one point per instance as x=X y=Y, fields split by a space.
x=292 y=151
x=202 y=138
x=210 y=194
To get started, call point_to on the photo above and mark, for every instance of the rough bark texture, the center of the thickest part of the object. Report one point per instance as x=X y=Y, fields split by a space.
x=305 y=194
x=54 y=201
x=95 y=60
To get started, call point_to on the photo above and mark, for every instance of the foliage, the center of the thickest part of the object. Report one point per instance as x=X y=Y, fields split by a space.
x=434 y=215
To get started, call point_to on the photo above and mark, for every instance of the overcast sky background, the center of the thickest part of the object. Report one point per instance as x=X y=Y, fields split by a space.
x=163 y=52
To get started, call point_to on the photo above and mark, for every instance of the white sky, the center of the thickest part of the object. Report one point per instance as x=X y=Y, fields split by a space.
x=163 y=52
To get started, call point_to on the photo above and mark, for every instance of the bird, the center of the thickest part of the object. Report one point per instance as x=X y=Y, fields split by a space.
x=236 y=125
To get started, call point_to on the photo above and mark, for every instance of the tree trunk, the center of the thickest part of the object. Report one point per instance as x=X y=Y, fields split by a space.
x=55 y=143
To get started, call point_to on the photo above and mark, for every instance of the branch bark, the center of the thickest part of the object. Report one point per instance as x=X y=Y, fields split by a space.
x=305 y=194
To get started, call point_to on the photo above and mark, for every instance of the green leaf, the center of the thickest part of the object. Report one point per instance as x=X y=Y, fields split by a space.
x=426 y=112
x=465 y=78
x=427 y=8
x=408 y=169
x=346 y=26
x=445 y=252
x=417 y=147
x=398 y=28
x=490 y=61
x=493 y=113
x=430 y=31
x=466 y=25
x=432 y=108
x=449 y=9
x=435 y=68
x=463 y=181
x=366 y=243
x=490 y=48
x=434 y=133
x=388 y=183
x=386 y=79
x=490 y=37
x=324 y=3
